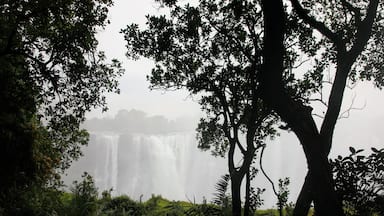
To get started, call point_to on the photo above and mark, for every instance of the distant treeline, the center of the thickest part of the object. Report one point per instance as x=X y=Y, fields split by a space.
x=136 y=121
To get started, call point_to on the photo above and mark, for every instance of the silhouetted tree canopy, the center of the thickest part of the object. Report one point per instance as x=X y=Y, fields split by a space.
x=56 y=40
x=51 y=75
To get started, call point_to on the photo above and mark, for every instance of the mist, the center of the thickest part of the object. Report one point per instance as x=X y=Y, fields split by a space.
x=137 y=121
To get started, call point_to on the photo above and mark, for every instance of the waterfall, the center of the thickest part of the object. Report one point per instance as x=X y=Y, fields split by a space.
x=140 y=165
x=100 y=160
x=171 y=165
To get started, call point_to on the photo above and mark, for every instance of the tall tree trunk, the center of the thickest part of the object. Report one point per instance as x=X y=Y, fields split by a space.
x=345 y=59
x=236 y=194
x=319 y=182
x=303 y=203
x=293 y=112
x=236 y=179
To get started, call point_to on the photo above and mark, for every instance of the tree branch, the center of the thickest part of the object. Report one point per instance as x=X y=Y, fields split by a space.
x=364 y=30
x=319 y=26
x=352 y=9
x=243 y=151
x=345 y=60
x=264 y=173
x=347 y=112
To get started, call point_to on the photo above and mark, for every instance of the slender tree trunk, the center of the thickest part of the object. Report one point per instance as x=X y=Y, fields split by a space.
x=280 y=208
x=247 y=205
x=236 y=179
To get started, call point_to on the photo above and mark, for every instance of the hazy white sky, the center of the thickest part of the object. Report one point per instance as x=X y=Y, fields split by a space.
x=134 y=86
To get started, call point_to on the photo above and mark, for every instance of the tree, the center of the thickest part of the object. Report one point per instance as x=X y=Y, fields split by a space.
x=282 y=194
x=350 y=42
x=52 y=74
x=213 y=51
x=84 y=201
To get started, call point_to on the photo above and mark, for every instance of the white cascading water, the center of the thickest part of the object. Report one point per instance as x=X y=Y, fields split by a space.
x=100 y=160
x=111 y=164
x=140 y=165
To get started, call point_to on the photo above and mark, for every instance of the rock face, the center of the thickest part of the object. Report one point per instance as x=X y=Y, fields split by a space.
x=144 y=164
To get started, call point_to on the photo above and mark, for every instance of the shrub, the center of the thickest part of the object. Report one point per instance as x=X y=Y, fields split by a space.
x=360 y=181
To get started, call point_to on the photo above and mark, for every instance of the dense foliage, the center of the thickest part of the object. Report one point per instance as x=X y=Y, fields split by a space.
x=360 y=181
x=83 y=199
x=51 y=74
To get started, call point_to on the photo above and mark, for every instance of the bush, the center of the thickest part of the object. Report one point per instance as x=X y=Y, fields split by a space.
x=122 y=205
x=360 y=182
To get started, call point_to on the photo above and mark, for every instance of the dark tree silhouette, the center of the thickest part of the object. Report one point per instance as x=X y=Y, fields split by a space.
x=214 y=51
x=350 y=42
